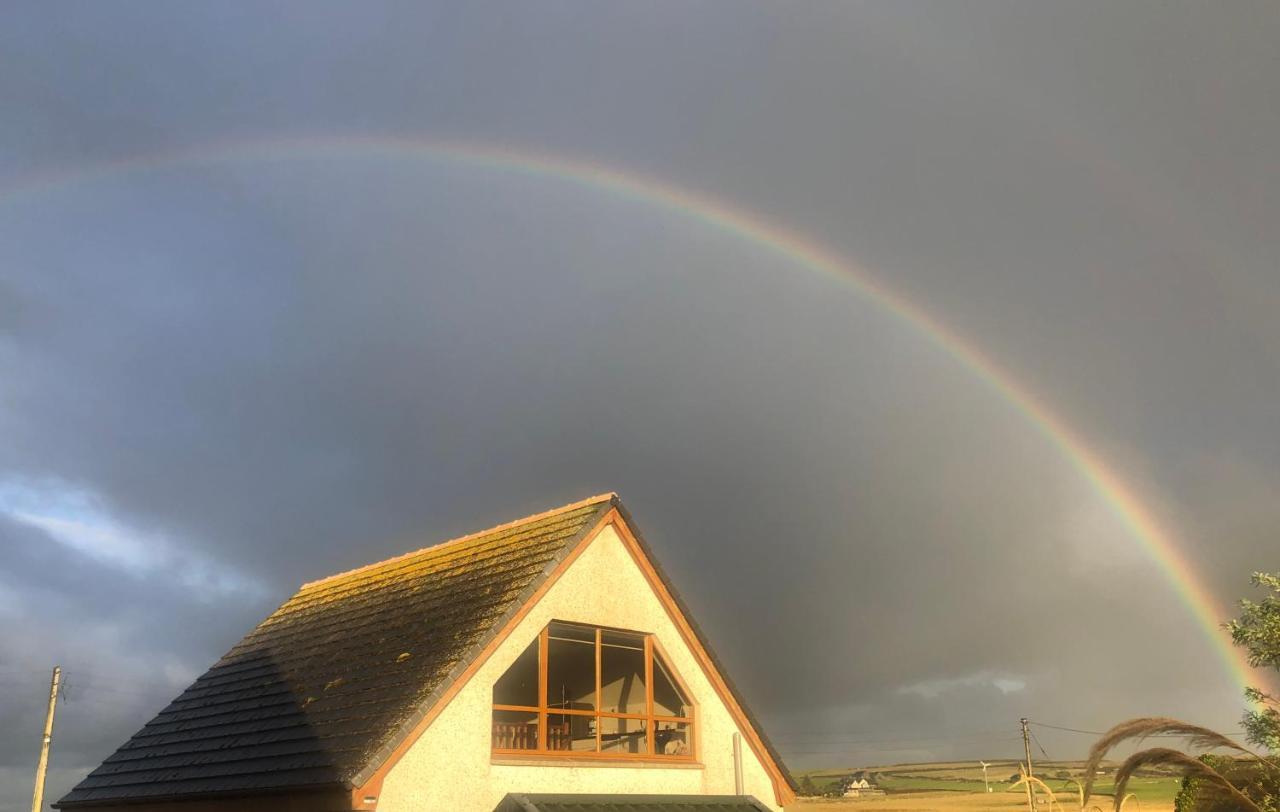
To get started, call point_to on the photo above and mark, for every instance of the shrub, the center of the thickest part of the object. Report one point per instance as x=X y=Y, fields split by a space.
x=1251 y=777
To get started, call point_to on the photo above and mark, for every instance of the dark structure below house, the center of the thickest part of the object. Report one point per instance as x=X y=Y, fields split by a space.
x=630 y=803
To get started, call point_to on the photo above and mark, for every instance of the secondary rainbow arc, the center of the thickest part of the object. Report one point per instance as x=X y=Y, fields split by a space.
x=1121 y=499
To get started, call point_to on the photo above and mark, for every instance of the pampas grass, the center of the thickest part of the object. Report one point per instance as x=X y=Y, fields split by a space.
x=1164 y=757
x=1032 y=784
x=1144 y=727
x=1079 y=790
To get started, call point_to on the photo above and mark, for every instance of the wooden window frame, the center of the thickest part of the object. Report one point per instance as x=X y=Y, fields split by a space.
x=652 y=648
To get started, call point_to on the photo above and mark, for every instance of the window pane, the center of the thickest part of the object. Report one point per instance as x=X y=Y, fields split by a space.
x=571 y=732
x=623 y=736
x=571 y=674
x=622 y=672
x=515 y=730
x=570 y=631
x=668 y=700
x=674 y=738
x=519 y=685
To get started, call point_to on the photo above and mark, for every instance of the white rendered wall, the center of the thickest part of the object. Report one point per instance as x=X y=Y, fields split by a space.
x=451 y=768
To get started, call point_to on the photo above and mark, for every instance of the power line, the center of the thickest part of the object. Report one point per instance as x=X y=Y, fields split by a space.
x=880 y=748
x=848 y=738
x=1068 y=729
x=82 y=688
x=1102 y=732
x=1039 y=745
x=876 y=743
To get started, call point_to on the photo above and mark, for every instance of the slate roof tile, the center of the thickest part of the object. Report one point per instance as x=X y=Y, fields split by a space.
x=319 y=692
x=324 y=683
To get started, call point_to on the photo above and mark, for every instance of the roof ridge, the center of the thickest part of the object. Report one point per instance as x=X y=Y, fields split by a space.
x=611 y=496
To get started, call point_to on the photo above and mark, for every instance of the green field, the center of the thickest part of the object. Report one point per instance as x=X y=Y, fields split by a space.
x=1160 y=789
x=925 y=783
x=966 y=777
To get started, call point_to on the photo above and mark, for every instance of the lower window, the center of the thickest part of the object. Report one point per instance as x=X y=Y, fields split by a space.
x=585 y=691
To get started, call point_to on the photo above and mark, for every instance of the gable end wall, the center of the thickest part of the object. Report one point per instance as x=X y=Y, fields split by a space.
x=450 y=765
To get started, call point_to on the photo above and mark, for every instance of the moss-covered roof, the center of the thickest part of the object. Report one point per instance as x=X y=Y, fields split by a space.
x=331 y=680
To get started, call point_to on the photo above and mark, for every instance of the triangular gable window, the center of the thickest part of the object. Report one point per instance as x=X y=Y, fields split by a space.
x=590 y=692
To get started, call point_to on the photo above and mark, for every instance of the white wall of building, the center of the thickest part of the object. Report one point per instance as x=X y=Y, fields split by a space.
x=450 y=767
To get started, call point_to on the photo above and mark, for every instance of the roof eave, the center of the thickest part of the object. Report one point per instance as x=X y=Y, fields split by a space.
x=339 y=788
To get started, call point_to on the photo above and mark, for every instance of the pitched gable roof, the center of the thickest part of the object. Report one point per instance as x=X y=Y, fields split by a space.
x=330 y=689
x=333 y=677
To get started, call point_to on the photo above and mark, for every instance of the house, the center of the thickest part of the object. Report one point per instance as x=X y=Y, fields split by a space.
x=544 y=664
x=861 y=787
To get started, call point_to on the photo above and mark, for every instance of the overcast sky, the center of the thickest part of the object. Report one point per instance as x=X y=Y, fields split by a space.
x=219 y=379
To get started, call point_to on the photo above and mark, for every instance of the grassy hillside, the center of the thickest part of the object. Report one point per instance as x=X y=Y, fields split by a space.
x=1156 y=787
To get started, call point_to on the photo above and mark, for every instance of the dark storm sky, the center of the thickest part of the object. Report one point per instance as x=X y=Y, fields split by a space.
x=219 y=380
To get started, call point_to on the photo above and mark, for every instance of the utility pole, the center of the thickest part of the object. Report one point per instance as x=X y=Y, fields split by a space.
x=1026 y=745
x=37 y=799
x=1026 y=742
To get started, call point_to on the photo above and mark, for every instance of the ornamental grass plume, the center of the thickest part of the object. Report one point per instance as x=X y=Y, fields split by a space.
x=1033 y=784
x=1165 y=757
x=1146 y=726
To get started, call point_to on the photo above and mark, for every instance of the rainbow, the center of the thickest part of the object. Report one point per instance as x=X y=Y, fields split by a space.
x=790 y=245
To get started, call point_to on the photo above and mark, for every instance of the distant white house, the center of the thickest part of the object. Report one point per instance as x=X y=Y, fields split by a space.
x=859 y=788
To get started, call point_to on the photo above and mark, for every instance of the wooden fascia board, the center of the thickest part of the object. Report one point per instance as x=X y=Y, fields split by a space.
x=369 y=781
x=781 y=785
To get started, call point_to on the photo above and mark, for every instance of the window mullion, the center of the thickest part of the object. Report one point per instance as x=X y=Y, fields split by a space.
x=542 y=689
x=648 y=693
x=599 y=696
